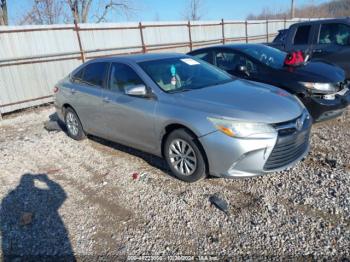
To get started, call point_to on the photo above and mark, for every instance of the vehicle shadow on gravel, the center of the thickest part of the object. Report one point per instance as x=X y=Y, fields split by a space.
x=31 y=227
x=152 y=160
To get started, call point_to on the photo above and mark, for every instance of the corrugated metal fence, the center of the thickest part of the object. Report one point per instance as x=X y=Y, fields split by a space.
x=34 y=58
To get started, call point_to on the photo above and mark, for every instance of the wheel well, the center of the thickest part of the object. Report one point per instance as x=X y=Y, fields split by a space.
x=170 y=128
x=64 y=108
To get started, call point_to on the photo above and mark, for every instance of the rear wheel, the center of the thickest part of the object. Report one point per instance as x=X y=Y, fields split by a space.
x=73 y=124
x=184 y=156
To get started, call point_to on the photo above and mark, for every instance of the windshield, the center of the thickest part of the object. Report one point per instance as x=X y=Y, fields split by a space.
x=269 y=56
x=183 y=74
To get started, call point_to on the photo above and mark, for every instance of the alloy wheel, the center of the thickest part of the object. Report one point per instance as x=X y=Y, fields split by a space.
x=182 y=157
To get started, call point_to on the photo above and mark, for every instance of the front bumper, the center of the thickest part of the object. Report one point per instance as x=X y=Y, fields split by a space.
x=233 y=157
x=322 y=109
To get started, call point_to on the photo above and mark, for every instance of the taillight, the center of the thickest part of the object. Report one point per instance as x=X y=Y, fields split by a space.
x=55 y=89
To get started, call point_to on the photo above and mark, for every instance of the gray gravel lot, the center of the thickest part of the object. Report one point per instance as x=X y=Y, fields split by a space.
x=62 y=197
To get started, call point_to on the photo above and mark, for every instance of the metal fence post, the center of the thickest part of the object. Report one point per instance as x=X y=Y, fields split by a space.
x=246 y=31
x=223 y=31
x=267 y=31
x=190 y=35
x=76 y=28
x=144 y=50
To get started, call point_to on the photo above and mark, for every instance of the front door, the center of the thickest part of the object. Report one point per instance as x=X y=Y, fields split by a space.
x=333 y=45
x=128 y=119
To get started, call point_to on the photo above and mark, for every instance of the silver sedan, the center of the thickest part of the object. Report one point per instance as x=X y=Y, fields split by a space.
x=200 y=119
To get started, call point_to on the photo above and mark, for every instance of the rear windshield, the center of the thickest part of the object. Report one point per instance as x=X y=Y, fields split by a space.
x=183 y=74
x=269 y=56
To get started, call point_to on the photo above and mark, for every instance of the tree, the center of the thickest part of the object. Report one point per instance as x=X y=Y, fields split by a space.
x=82 y=10
x=45 y=12
x=66 y=11
x=194 y=11
x=3 y=13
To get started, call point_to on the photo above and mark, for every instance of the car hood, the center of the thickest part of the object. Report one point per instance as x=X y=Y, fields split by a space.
x=243 y=100
x=321 y=72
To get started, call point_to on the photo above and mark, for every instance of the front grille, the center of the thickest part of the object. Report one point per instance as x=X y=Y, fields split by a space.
x=290 y=145
x=285 y=153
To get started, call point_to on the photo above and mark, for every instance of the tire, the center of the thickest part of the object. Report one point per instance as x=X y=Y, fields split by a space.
x=193 y=166
x=73 y=124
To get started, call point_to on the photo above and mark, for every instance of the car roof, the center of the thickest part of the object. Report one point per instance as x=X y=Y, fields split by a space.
x=330 y=20
x=229 y=46
x=138 y=57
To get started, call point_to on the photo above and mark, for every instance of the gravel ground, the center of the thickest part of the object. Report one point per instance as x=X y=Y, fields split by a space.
x=62 y=197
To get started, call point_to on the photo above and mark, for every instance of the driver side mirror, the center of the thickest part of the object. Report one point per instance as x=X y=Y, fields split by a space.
x=139 y=91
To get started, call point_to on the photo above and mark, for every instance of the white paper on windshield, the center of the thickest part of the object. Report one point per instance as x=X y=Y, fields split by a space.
x=189 y=61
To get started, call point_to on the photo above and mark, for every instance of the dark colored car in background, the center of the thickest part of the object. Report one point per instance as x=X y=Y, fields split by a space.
x=320 y=86
x=327 y=39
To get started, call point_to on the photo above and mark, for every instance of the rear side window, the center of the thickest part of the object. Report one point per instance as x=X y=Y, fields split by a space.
x=302 y=35
x=95 y=73
x=123 y=76
x=337 y=34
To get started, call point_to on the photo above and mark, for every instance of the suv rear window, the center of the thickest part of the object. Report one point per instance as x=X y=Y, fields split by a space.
x=302 y=35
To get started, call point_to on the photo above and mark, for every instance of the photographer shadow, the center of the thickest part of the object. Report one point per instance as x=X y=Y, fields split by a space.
x=31 y=227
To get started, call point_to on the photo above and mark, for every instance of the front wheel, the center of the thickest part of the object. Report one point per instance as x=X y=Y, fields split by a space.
x=184 y=156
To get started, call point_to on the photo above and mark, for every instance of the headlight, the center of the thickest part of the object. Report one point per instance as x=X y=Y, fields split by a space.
x=240 y=129
x=323 y=87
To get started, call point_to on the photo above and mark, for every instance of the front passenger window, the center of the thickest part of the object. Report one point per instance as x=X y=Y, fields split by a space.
x=122 y=76
x=337 y=34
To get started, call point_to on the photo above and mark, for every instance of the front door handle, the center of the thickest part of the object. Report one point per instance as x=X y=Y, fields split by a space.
x=106 y=100
x=318 y=50
x=73 y=91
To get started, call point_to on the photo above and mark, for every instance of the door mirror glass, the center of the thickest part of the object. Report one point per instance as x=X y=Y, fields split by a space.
x=138 y=90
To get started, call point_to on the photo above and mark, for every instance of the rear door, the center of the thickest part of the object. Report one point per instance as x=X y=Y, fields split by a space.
x=128 y=119
x=332 y=44
x=86 y=95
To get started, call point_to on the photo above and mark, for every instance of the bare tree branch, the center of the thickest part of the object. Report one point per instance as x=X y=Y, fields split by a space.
x=44 y=12
x=82 y=9
x=194 y=11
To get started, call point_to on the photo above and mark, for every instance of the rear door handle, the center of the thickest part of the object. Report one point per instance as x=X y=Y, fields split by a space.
x=106 y=100
x=318 y=50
